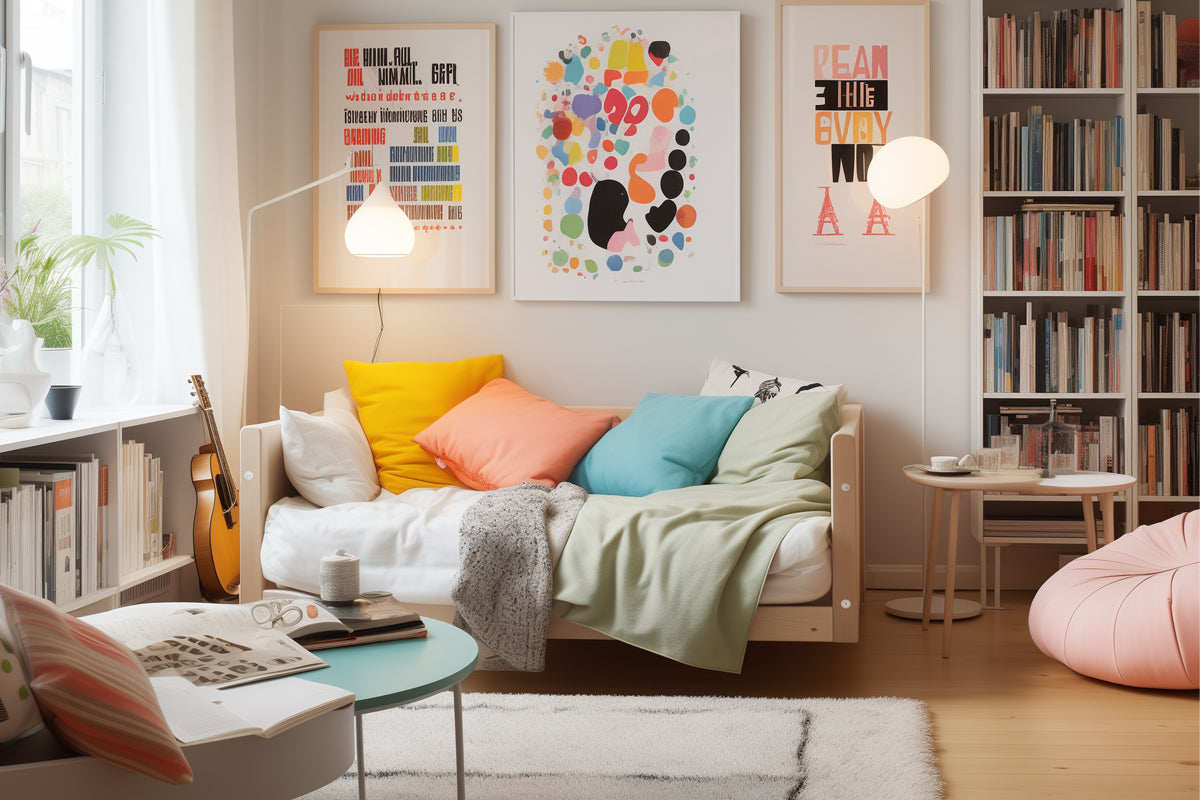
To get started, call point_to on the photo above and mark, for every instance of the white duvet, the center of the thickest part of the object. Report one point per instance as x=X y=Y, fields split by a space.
x=408 y=544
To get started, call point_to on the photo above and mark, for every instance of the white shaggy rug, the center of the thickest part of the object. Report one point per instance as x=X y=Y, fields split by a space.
x=577 y=747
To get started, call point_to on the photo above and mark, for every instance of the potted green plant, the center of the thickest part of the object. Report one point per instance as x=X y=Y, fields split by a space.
x=38 y=286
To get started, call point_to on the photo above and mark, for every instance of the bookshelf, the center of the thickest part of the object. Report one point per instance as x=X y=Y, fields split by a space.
x=1166 y=294
x=1070 y=205
x=172 y=434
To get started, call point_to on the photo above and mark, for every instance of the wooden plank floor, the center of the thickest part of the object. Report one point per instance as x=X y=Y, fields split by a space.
x=1008 y=721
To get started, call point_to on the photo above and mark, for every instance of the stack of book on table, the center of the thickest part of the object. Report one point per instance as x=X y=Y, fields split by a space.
x=373 y=617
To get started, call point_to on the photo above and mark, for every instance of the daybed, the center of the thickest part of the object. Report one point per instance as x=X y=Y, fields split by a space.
x=833 y=616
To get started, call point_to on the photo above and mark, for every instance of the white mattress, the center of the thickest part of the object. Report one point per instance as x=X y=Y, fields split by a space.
x=408 y=544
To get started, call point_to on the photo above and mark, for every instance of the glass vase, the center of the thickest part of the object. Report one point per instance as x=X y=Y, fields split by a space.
x=110 y=367
x=1058 y=445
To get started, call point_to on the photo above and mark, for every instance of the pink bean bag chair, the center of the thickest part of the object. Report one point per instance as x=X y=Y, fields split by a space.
x=1130 y=612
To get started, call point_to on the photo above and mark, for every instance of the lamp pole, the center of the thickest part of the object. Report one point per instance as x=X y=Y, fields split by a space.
x=903 y=172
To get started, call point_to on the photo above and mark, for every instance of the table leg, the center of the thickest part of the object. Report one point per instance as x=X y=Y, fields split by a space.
x=1089 y=521
x=935 y=526
x=996 y=582
x=1106 y=515
x=951 y=557
x=982 y=572
x=358 y=757
x=458 y=742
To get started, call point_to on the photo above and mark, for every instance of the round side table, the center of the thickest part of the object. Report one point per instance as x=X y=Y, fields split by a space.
x=388 y=674
x=1088 y=486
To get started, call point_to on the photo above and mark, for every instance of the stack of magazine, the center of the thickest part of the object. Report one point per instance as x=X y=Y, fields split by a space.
x=373 y=617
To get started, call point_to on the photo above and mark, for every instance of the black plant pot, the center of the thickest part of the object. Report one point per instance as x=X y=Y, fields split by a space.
x=61 y=400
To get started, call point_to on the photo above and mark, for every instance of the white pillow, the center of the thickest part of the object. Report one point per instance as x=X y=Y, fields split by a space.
x=327 y=458
x=725 y=378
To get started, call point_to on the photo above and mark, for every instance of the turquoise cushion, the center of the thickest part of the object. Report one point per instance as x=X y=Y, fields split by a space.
x=668 y=442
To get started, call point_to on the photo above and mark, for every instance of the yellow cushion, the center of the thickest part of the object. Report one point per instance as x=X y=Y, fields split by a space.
x=399 y=399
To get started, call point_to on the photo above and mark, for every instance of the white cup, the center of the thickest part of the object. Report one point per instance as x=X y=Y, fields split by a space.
x=943 y=463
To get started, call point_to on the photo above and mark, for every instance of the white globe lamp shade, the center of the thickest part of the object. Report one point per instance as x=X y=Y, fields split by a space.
x=906 y=170
x=379 y=228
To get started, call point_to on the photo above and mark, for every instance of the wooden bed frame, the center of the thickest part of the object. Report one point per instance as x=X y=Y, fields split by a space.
x=834 y=618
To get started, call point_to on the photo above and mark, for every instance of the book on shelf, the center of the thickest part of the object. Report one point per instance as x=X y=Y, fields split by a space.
x=1188 y=32
x=87 y=549
x=22 y=556
x=199 y=714
x=1071 y=48
x=141 y=528
x=52 y=528
x=1169 y=454
x=208 y=644
x=1167 y=251
x=374 y=617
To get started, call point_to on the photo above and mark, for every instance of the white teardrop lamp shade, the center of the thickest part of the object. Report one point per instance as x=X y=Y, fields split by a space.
x=380 y=228
x=905 y=170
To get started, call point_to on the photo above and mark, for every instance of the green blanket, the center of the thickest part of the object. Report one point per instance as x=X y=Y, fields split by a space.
x=679 y=572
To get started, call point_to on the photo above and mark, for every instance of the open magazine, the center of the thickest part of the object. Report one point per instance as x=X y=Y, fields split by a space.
x=207 y=713
x=208 y=644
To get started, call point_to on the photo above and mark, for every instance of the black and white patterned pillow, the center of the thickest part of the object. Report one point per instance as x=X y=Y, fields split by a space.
x=726 y=378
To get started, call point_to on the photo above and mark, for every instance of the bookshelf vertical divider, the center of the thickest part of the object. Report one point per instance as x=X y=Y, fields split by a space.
x=1130 y=406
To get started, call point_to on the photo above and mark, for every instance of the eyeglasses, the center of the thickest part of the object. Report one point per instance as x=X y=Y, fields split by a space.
x=273 y=612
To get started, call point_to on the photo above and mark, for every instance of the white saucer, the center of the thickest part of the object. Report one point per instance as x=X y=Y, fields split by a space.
x=952 y=471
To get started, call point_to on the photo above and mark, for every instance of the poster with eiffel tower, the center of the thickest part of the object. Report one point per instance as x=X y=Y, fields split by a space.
x=852 y=76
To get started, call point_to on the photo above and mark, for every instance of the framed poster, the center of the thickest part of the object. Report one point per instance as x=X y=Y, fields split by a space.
x=852 y=76
x=625 y=156
x=413 y=105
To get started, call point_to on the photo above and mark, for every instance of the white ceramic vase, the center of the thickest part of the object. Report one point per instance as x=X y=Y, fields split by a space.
x=23 y=385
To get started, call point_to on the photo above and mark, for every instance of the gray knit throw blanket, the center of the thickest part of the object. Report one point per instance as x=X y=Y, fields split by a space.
x=504 y=592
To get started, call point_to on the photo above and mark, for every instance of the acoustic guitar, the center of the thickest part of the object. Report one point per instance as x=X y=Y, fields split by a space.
x=215 y=530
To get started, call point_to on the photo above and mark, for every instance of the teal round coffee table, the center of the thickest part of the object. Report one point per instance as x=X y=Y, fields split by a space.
x=388 y=674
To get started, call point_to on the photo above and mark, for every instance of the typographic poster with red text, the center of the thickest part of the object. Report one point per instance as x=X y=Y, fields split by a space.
x=412 y=107
x=853 y=80
x=625 y=138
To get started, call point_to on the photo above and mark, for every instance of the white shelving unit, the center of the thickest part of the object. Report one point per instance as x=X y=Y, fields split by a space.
x=1128 y=401
x=174 y=433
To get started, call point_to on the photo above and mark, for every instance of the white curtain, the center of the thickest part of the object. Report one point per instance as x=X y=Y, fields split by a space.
x=200 y=298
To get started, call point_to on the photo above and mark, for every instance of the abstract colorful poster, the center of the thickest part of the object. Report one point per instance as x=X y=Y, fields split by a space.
x=625 y=163
x=852 y=77
x=413 y=107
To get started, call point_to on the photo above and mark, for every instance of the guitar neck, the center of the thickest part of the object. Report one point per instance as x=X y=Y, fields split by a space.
x=224 y=477
x=222 y=464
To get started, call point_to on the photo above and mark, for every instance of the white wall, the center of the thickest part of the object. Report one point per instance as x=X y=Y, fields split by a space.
x=612 y=353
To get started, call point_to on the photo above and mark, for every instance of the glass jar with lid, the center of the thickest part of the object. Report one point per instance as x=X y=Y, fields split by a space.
x=1058 y=456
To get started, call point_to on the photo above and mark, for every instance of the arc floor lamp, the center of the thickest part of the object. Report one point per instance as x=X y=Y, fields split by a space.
x=378 y=229
x=903 y=172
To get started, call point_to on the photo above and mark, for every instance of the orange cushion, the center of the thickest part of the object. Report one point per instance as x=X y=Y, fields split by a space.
x=503 y=435
x=399 y=399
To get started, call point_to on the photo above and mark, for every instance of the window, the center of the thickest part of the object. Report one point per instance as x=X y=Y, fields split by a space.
x=43 y=177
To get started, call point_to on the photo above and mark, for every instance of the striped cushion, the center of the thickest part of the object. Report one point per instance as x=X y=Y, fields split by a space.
x=93 y=693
